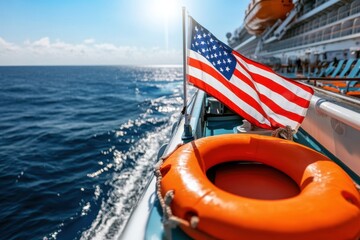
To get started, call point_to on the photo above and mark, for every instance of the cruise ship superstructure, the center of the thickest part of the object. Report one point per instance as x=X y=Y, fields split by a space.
x=312 y=31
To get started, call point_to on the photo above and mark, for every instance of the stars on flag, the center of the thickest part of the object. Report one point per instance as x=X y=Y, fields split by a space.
x=217 y=53
x=264 y=98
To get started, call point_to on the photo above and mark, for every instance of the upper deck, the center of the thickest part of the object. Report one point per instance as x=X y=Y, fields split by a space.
x=326 y=28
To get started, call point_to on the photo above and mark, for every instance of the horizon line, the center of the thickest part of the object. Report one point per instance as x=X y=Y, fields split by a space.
x=95 y=65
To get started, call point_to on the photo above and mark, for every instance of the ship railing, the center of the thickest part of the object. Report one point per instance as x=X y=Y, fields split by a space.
x=318 y=36
x=333 y=110
x=339 y=22
x=320 y=24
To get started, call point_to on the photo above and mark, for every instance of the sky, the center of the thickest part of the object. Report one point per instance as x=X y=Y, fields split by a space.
x=106 y=32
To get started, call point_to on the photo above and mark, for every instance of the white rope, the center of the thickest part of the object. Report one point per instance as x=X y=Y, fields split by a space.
x=170 y=221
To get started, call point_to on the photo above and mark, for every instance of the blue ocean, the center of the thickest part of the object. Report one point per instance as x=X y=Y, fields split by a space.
x=78 y=145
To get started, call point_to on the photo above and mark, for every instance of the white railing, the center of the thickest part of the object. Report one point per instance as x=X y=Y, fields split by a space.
x=347 y=116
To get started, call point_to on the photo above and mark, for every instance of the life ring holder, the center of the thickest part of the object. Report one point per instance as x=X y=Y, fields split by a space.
x=189 y=198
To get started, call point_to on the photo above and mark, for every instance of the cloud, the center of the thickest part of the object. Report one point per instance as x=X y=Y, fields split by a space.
x=45 y=51
x=106 y=47
x=45 y=47
x=89 y=41
x=7 y=46
x=42 y=43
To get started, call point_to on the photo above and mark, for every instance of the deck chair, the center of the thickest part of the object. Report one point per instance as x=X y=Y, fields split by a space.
x=351 y=88
x=315 y=72
x=329 y=69
x=338 y=68
x=355 y=70
x=347 y=67
x=326 y=71
x=354 y=73
x=311 y=74
x=331 y=72
x=321 y=73
x=347 y=87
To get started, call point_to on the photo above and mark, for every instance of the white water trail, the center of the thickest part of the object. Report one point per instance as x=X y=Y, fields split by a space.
x=127 y=185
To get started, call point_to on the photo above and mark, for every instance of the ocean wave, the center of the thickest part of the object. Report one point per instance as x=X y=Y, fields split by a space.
x=78 y=145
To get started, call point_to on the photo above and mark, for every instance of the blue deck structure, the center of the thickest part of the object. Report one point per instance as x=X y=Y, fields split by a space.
x=355 y=70
x=347 y=67
x=338 y=68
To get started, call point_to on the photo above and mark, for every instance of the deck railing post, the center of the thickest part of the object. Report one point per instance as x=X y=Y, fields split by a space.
x=188 y=135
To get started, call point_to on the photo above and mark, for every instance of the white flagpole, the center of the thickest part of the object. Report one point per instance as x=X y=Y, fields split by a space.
x=187 y=136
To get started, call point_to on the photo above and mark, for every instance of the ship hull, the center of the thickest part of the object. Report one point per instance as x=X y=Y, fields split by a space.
x=323 y=130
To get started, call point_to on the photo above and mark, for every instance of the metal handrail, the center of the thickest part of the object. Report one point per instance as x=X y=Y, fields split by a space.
x=347 y=116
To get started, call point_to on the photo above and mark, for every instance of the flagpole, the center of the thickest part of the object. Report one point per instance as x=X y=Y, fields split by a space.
x=187 y=136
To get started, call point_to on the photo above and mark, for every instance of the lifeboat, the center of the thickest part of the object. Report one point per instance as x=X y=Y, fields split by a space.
x=320 y=201
x=264 y=13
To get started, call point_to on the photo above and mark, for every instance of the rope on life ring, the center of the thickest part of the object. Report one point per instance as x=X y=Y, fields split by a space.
x=285 y=133
x=170 y=221
x=185 y=192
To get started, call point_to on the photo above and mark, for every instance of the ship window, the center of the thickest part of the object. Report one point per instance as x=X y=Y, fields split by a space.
x=312 y=38
x=307 y=26
x=306 y=39
x=287 y=43
x=319 y=2
x=356 y=27
x=332 y=16
x=318 y=36
x=322 y=21
x=296 y=31
x=335 y=31
x=298 y=41
x=291 y=42
x=315 y=23
x=346 y=27
x=343 y=11
x=307 y=7
x=327 y=33
x=301 y=29
x=355 y=7
x=289 y=34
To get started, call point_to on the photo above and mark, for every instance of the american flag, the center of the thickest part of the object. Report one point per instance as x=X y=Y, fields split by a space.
x=252 y=90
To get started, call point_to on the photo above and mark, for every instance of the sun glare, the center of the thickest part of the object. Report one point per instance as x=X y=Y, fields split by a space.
x=165 y=13
x=165 y=9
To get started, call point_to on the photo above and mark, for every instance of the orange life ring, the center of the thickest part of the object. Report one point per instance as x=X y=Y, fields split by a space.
x=328 y=206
